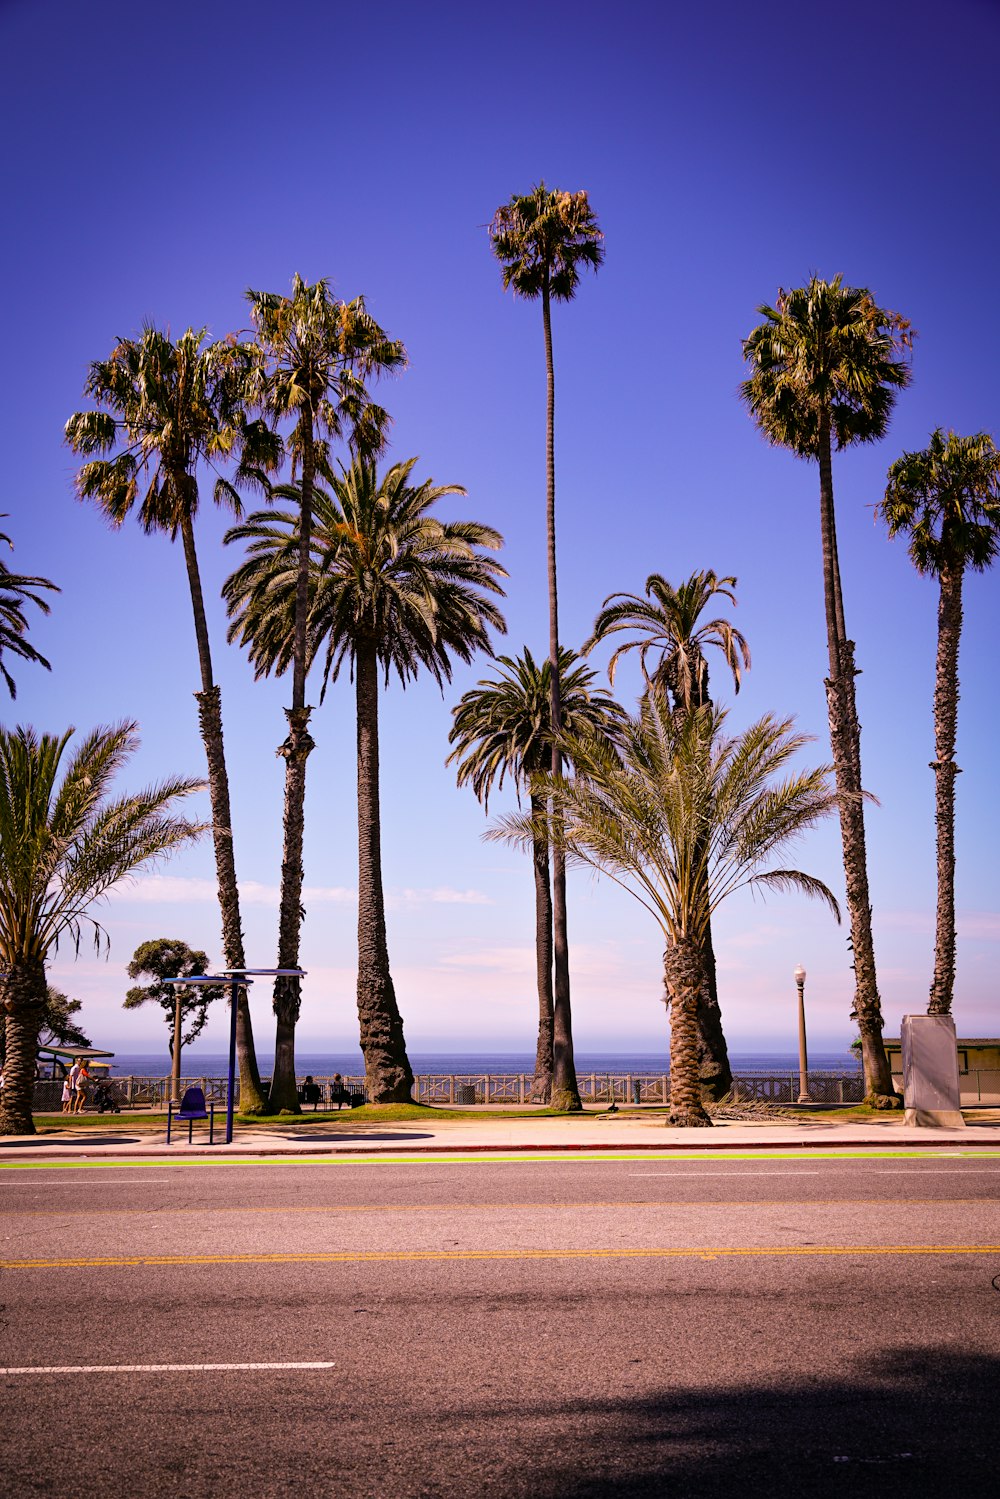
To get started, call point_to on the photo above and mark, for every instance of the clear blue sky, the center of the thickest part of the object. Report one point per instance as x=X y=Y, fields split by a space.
x=161 y=159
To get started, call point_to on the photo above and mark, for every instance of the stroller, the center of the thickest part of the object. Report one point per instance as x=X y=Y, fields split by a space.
x=104 y=1097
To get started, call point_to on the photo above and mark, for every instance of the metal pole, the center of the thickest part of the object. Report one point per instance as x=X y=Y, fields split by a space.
x=233 y=1001
x=800 y=984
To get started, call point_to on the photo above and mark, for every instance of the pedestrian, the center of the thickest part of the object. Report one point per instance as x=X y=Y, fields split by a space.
x=67 y=1095
x=81 y=1089
x=74 y=1078
x=338 y=1090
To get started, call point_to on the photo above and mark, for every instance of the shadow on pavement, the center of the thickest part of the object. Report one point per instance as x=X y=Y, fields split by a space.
x=328 y=1136
x=914 y=1424
x=32 y=1142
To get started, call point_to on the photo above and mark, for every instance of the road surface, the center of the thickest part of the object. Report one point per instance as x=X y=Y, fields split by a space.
x=579 y=1327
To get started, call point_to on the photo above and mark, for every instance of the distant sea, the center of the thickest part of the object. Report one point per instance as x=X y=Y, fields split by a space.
x=324 y=1064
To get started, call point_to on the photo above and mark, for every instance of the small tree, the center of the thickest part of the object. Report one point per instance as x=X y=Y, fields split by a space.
x=161 y=959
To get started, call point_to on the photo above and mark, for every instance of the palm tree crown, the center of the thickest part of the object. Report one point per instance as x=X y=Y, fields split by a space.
x=15 y=591
x=322 y=352
x=165 y=407
x=666 y=622
x=825 y=353
x=503 y=725
x=384 y=571
x=543 y=239
x=946 y=500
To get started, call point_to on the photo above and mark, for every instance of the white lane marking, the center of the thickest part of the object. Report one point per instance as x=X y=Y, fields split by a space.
x=114 y=1181
x=688 y=1174
x=153 y=1368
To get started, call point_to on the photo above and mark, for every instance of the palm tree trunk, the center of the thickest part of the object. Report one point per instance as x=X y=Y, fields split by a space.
x=388 y=1075
x=685 y=982
x=565 y=1093
x=209 y=701
x=845 y=744
x=714 y=1072
x=24 y=994
x=945 y=770
x=541 y=1086
x=294 y=751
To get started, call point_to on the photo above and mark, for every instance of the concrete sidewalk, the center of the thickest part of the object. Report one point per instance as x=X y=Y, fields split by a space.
x=493 y=1134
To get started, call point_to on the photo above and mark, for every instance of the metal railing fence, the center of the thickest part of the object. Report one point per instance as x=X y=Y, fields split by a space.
x=471 y=1088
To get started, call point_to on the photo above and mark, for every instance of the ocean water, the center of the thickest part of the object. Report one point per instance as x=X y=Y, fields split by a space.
x=324 y=1064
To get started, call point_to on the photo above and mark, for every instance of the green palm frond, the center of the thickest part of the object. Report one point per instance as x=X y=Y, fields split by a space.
x=164 y=407
x=502 y=727
x=946 y=500
x=17 y=589
x=666 y=626
x=382 y=568
x=543 y=239
x=825 y=353
x=322 y=353
x=680 y=815
x=63 y=843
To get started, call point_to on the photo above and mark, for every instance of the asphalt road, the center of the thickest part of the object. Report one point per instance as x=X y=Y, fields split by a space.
x=572 y=1328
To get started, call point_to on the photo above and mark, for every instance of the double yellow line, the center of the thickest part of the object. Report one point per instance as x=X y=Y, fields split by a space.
x=407 y=1256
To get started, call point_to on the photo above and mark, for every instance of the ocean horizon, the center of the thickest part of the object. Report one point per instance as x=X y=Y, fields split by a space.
x=351 y=1063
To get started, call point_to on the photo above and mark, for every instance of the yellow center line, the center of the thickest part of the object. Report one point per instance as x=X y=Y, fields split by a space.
x=360 y=1257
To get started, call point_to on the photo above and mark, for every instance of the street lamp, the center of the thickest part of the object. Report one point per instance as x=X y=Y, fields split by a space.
x=800 y=984
x=236 y=978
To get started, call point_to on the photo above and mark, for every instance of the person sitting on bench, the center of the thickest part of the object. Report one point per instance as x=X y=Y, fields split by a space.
x=310 y=1093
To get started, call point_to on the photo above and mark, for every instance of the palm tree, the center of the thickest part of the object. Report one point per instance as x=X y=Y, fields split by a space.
x=64 y=843
x=543 y=240
x=164 y=408
x=321 y=353
x=946 y=500
x=681 y=816
x=502 y=729
x=15 y=590
x=825 y=367
x=392 y=589
x=666 y=625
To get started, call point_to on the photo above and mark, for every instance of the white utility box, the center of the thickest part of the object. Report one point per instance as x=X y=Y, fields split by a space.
x=931 y=1090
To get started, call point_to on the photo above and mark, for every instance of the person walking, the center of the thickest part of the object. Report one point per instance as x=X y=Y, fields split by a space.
x=83 y=1079
x=73 y=1079
x=67 y=1095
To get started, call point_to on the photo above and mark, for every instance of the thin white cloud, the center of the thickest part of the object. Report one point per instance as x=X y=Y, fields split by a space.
x=982 y=925
x=171 y=889
x=441 y=896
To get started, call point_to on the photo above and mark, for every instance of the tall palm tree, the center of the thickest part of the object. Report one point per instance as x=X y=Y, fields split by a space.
x=825 y=366
x=503 y=729
x=320 y=352
x=665 y=624
x=163 y=409
x=64 y=843
x=543 y=240
x=15 y=591
x=681 y=816
x=946 y=500
x=392 y=588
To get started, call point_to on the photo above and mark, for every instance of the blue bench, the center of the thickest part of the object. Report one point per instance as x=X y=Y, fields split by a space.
x=192 y=1108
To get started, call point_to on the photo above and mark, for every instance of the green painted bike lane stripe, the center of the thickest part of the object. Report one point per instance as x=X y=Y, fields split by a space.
x=526 y=1157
